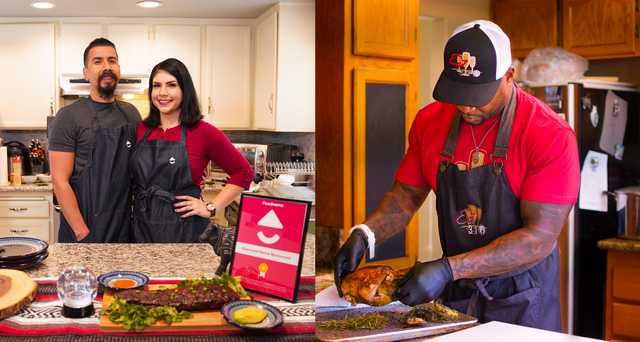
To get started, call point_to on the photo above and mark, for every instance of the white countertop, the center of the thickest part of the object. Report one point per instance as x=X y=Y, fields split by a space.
x=504 y=332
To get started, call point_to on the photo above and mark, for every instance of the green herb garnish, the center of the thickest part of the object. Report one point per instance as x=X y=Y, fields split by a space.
x=222 y=280
x=369 y=321
x=137 y=317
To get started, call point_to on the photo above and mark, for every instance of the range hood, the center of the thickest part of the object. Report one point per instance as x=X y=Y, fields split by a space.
x=75 y=84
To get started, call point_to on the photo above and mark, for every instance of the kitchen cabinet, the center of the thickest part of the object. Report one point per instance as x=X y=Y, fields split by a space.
x=133 y=44
x=226 y=99
x=365 y=106
x=600 y=28
x=181 y=42
x=284 y=86
x=622 y=307
x=382 y=108
x=74 y=39
x=529 y=24
x=385 y=28
x=28 y=87
x=27 y=214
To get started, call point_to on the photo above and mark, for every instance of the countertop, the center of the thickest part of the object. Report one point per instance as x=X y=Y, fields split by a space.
x=622 y=245
x=37 y=187
x=155 y=260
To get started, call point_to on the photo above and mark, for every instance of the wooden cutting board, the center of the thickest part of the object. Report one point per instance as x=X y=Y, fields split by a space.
x=200 y=319
x=395 y=330
x=16 y=290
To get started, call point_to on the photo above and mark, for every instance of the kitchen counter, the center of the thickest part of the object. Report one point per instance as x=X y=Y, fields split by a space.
x=155 y=260
x=39 y=187
x=622 y=245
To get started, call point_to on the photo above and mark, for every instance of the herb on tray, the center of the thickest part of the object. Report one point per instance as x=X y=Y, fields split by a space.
x=369 y=321
x=137 y=317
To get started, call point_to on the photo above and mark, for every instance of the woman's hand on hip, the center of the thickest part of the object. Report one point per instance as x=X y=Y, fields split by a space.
x=189 y=206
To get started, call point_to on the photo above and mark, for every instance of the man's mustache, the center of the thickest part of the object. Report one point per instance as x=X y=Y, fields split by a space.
x=107 y=73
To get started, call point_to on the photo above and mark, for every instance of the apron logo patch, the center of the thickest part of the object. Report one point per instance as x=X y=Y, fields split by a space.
x=128 y=144
x=469 y=219
x=172 y=160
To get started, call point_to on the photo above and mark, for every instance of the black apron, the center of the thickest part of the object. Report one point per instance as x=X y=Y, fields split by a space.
x=475 y=207
x=102 y=188
x=160 y=170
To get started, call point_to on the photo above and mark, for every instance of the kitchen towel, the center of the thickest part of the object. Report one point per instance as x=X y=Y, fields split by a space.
x=4 y=166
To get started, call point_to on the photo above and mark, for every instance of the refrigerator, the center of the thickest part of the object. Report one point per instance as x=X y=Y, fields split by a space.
x=583 y=106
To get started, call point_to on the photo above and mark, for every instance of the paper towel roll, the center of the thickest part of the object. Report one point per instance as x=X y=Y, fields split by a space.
x=4 y=166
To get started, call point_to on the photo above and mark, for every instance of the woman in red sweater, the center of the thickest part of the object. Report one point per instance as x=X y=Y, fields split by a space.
x=174 y=146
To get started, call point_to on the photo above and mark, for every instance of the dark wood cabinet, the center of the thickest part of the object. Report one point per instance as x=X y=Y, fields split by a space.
x=600 y=28
x=529 y=24
x=622 y=306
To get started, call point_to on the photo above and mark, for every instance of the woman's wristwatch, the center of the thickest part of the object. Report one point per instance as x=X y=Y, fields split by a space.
x=211 y=208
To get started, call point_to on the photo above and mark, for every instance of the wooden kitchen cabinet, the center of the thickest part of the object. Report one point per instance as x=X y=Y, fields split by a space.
x=74 y=38
x=227 y=77
x=622 y=306
x=385 y=28
x=529 y=24
x=366 y=105
x=28 y=89
x=383 y=107
x=600 y=28
x=284 y=86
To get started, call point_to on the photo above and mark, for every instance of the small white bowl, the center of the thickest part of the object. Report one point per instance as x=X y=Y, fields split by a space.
x=28 y=179
x=44 y=178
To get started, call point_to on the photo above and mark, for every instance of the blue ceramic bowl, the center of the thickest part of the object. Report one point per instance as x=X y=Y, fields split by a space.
x=106 y=279
x=273 y=319
x=21 y=248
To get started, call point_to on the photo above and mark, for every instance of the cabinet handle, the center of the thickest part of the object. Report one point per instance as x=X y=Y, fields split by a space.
x=19 y=231
x=270 y=104
x=19 y=209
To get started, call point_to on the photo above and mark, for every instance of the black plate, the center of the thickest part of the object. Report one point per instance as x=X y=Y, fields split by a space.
x=20 y=248
x=24 y=265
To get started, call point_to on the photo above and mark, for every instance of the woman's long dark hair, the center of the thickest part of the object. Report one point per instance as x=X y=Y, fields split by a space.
x=190 y=108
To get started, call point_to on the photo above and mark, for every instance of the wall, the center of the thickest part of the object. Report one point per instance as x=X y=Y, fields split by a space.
x=438 y=19
x=627 y=69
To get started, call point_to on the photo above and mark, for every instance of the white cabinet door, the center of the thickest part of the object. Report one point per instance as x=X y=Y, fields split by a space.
x=74 y=38
x=132 y=45
x=28 y=90
x=295 y=101
x=227 y=77
x=264 y=105
x=181 y=42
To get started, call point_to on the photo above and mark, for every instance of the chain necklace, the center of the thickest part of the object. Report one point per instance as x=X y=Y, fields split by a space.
x=476 y=156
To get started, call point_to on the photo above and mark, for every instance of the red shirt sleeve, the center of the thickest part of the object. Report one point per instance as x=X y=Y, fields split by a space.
x=553 y=168
x=410 y=170
x=221 y=152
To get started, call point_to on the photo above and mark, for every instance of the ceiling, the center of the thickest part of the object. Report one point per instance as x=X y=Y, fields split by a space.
x=128 y=8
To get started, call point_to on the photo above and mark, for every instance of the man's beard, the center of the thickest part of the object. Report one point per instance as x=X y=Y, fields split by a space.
x=107 y=92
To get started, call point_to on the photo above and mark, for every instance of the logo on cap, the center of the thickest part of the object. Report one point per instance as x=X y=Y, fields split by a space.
x=464 y=64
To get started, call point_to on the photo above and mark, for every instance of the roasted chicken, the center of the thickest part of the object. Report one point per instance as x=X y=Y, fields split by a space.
x=373 y=285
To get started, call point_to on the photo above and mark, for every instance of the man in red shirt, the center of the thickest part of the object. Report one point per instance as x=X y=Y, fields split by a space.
x=505 y=171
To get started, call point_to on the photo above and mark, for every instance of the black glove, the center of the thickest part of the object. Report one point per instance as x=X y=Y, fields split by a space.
x=349 y=256
x=425 y=282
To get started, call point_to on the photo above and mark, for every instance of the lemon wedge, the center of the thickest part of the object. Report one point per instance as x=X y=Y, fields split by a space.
x=249 y=315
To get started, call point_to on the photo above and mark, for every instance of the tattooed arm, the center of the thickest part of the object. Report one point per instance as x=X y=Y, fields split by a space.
x=395 y=210
x=542 y=222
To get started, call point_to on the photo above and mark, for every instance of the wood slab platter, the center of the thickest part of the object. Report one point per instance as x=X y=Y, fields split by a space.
x=200 y=319
x=395 y=330
x=16 y=290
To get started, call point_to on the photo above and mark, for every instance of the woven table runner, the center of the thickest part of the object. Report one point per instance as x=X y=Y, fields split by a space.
x=44 y=316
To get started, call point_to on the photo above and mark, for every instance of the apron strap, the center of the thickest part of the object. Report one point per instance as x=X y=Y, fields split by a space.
x=506 y=124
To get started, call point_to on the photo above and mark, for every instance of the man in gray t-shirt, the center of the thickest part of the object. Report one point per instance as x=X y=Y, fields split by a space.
x=89 y=146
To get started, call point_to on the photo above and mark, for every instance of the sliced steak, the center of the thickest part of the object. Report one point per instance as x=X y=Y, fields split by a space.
x=193 y=297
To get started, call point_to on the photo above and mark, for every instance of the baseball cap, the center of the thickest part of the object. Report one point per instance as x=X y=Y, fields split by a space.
x=476 y=57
